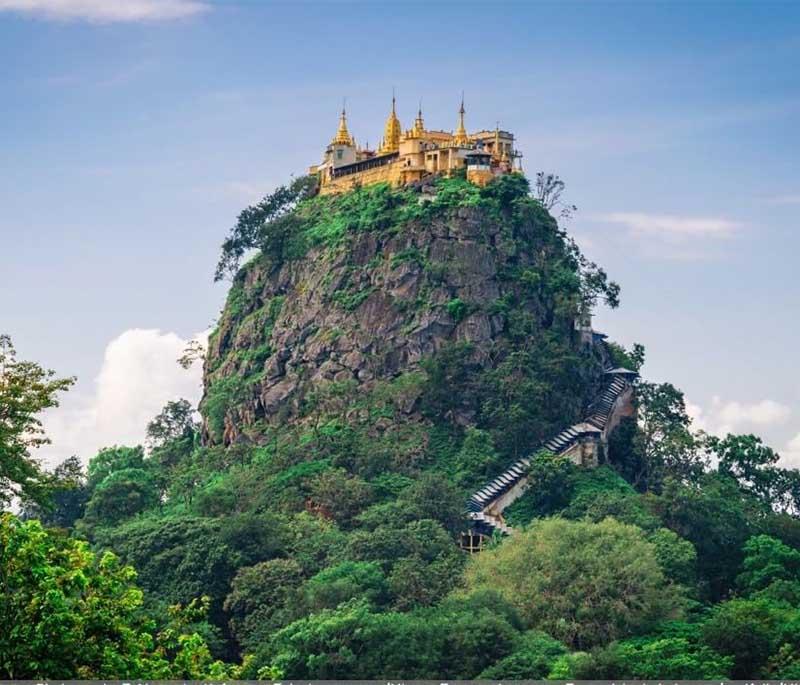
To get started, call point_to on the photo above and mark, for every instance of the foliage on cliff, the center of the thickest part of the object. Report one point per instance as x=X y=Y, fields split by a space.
x=352 y=292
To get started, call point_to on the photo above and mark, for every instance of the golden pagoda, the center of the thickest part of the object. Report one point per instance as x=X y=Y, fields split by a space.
x=461 y=137
x=413 y=155
x=342 y=136
x=391 y=132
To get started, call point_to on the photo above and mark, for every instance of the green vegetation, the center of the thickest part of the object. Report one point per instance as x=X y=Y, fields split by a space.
x=67 y=610
x=558 y=574
x=322 y=541
x=25 y=390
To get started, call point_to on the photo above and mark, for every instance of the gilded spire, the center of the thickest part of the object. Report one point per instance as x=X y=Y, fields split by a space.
x=461 y=137
x=391 y=131
x=342 y=136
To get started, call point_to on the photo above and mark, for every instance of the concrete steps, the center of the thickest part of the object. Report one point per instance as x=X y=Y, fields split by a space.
x=597 y=418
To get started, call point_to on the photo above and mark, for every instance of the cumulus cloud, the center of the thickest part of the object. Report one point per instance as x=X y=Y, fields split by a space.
x=105 y=11
x=766 y=416
x=670 y=226
x=723 y=417
x=790 y=455
x=138 y=376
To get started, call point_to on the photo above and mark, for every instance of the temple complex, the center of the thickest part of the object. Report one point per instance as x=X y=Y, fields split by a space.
x=407 y=156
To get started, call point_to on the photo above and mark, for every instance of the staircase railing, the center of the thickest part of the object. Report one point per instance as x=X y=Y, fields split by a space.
x=486 y=506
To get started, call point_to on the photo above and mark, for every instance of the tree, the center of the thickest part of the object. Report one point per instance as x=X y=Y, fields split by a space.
x=477 y=457
x=548 y=189
x=599 y=493
x=658 y=657
x=664 y=441
x=716 y=518
x=594 y=283
x=174 y=422
x=112 y=459
x=433 y=496
x=260 y=226
x=313 y=542
x=195 y=351
x=424 y=539
x=746 y=630
x=550 y=370
x=450 y=382
x=26 y=389
x=767 y=560
x=532 y=658
x=676 y=556
x=339 y=496
x=557 y=574
x=120 y=483
x=349 y=580
x=120 y=495
x=68 y=496
x=417 y=582
x=455 y=640
x=754 y=467
x=263 y=598
x=551 y=482
x=69 y=613
x=178 y=558
x=326 y=645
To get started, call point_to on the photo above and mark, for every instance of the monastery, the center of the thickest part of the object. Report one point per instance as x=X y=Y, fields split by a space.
x=405 y=157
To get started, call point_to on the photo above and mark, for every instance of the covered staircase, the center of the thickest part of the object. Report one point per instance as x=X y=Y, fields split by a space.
x=582 y=443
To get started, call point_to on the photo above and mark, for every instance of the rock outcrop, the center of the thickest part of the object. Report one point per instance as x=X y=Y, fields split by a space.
x=377 y=302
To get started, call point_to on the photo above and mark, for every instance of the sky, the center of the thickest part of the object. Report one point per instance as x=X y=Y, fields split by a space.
x=133 y=132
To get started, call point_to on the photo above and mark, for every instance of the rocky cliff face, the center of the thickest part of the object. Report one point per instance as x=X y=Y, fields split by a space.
x=388 y=288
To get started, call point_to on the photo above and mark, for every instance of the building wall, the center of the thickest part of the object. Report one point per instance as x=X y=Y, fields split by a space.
x=411 y=166
x=384 y=174
x=342 y=155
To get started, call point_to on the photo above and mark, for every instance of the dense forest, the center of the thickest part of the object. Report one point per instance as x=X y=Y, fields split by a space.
x=380 y=356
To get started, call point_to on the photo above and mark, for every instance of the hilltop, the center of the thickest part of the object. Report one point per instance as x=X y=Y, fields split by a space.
x=372 y=292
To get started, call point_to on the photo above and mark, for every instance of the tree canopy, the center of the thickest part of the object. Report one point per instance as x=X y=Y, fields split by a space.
x=559 y=576
x=26 y=389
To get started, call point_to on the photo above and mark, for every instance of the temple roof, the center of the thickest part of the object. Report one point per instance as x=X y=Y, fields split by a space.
x=342 y=136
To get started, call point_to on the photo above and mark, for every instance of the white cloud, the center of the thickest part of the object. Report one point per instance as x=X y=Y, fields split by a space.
x=790 y=456
x=138 y=376
x=105 y=11
x=671 y=227
x=722 y=417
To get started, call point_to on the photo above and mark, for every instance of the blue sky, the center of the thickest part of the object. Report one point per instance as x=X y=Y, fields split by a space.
x=133 y=132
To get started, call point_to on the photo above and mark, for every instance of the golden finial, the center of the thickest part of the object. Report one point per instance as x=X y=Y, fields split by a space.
x=391 y=131
x=461 y=137
x=343 y=136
